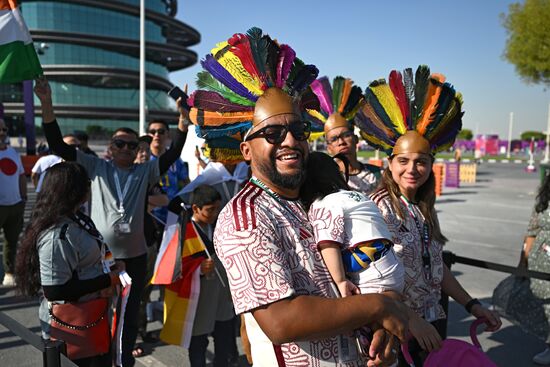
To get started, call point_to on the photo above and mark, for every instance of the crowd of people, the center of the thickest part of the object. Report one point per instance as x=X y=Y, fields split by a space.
x=293 y=236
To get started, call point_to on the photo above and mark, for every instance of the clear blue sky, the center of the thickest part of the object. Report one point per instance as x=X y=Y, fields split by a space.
x=366 y=39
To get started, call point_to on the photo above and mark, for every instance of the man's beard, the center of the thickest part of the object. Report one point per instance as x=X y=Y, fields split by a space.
x=285 y=181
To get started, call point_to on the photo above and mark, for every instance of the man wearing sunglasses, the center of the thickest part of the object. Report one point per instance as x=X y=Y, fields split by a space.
x=13 y=195
x=119 y=191
x=340 y=139
x=177 y=175
x=277 y=279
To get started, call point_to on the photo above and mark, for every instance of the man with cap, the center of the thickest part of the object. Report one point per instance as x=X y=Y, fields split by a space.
x=276 y=275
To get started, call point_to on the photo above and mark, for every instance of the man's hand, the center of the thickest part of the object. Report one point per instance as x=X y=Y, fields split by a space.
x=387 y=346
x=43 y=91
x=184 y=114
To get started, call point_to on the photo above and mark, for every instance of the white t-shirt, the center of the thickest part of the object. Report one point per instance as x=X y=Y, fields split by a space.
x=42 y=164
x=347 y=217
x=10 y=170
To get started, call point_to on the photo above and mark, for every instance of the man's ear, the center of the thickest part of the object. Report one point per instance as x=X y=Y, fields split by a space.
x=246 y=151
x=355 y=139
x=195 y=208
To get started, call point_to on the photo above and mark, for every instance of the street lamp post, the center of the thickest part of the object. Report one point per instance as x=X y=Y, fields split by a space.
x=547 y=149
x=142 y=67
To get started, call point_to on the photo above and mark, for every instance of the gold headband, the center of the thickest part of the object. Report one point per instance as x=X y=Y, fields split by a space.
x=412 y=142
x=272 y=103
x=334 y=121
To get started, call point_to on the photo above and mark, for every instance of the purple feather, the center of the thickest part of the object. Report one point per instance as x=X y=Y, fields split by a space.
x=364 y=123
x=286 y=59
x=322 y=89
x=212 y=101
x=223 y=76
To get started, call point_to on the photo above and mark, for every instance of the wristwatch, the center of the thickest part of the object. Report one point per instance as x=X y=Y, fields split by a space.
x=471 y=303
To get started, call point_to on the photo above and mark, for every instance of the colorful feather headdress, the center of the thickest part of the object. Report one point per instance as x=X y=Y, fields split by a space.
x=426 y=104
x=338 y=103
x=236 y=73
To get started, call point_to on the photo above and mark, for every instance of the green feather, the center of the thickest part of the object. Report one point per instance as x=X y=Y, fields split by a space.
x=296 y=67
x=337 y=89
x=422 y=79
x=207 y=81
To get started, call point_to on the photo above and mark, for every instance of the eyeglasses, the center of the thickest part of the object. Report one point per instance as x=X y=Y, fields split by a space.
x=159 y=131
x=3 y=129
x=276 y=134
x=343 y=136
x=132 y=145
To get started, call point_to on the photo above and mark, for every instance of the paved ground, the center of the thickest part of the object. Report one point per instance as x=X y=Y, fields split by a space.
x=485 y=220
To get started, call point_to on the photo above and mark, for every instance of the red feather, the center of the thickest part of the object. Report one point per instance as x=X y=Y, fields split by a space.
x=241 y=48
x=398 y=90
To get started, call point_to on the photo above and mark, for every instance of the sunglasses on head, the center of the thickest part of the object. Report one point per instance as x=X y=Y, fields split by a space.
x=119 y=143
x=276 y=134
x=159 y=131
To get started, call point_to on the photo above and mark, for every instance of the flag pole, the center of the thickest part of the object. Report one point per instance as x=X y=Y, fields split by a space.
x=142 y=67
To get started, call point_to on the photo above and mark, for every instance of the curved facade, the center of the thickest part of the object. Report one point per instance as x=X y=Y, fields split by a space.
x=89 y=50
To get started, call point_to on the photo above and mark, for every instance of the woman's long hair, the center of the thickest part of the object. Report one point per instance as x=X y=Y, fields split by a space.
x=64 y=188
x=323 y=177
x=544 y=194
x=425 y=199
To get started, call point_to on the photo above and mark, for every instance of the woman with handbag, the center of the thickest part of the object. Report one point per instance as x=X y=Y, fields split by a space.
x=412 y=121
x=63 y=258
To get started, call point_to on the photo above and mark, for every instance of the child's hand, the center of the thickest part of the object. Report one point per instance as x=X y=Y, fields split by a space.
x=347 y=288
x=424 y=332
x=207 y=266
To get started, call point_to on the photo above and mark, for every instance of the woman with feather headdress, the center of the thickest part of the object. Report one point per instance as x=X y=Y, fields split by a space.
x=412 y=119
x=339 y=104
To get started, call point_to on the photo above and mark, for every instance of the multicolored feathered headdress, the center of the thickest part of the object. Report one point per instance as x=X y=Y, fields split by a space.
x=338 y=102
x=423 y=114
x=236 y=74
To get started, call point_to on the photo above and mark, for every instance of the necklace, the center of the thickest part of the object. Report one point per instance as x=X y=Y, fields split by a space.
x=279 y=200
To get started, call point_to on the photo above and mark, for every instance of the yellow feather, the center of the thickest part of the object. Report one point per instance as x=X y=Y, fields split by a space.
x=386 y=98
x=234 y=66
x=315 y=136
x=318 y=115
x=375 y=141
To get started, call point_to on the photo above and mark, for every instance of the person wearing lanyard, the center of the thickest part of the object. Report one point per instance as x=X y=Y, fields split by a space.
x=263 y=238
x=119 y=193
x=406 y=196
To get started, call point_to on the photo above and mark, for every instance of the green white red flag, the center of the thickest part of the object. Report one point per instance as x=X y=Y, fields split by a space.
x=18 y=59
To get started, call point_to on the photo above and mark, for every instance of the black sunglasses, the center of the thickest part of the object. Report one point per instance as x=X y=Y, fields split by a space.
x=159 y=131
x=3 y=129
x=132 y=145
x=276 y=134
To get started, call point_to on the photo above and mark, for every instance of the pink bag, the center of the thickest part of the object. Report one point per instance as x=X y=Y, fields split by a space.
x=456 y=353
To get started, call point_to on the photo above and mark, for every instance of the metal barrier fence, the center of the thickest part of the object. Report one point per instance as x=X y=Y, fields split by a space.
x=53 y=352
x=450 y=258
